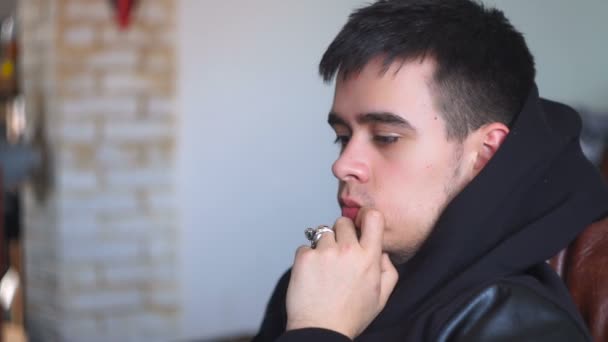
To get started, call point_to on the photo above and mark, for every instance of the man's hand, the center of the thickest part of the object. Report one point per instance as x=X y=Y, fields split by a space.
x=343 y=283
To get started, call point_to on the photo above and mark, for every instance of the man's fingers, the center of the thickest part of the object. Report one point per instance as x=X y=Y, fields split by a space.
x=345 y=231
x=371 y=223
x=388 y=278
x=327 y=240
x=300 y=251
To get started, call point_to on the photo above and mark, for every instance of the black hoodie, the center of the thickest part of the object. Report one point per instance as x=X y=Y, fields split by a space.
x=531 y=200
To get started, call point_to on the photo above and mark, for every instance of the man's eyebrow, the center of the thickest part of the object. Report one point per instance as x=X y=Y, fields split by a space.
x=334 y=119
x=385 y=118
x=373 y=117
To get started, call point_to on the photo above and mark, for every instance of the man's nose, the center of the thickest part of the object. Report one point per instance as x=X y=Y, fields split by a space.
x=353 y=164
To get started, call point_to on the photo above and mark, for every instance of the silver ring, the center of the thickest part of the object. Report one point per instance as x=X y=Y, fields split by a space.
x=315 y=234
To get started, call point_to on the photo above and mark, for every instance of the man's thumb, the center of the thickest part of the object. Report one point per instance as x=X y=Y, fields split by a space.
x=388 y=278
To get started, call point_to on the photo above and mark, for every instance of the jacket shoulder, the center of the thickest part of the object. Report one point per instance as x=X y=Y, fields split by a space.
x=275 y=317
x=511 y=312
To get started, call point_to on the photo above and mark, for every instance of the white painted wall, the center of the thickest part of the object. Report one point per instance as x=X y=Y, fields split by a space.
x=255 y=152
x=569 y=40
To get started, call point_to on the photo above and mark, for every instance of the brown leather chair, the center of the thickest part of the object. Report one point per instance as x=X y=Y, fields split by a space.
x=584 y=268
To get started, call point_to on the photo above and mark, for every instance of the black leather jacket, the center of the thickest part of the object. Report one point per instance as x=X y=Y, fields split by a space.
x=511 y=312
x=502 y=312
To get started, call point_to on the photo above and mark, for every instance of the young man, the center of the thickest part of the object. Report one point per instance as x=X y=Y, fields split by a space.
x=456 y=183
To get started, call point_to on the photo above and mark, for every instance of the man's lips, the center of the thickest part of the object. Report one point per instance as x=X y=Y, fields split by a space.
x=350 y=208
x=350 y=212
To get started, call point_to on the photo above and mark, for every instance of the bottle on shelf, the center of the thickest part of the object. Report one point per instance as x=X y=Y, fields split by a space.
x=8 y=58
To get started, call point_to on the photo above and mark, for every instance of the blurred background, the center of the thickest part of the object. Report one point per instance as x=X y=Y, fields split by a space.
x=160 y=159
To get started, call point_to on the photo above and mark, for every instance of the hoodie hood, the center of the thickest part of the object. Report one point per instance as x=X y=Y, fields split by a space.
x=531 y=200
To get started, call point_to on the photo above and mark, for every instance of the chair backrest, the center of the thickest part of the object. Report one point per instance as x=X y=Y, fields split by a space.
x=584 y=268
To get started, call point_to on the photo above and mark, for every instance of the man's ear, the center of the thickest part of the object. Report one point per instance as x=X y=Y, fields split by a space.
x=491 y=137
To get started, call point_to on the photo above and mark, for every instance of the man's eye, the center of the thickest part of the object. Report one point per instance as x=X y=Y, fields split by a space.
x=385 y=139
x=342 y=140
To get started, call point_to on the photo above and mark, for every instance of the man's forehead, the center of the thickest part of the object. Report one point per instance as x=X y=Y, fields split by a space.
x=382 y=66
x=401 y=90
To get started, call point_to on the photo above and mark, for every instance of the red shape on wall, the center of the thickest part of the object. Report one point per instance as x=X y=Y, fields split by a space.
x=123 y=9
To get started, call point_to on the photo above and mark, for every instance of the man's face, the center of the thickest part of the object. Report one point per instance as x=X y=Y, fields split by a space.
x=395 y=156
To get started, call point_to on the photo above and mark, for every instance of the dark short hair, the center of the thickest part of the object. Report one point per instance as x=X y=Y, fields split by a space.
x=484 y=69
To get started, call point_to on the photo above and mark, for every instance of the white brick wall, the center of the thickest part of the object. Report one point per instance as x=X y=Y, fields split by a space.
x=78 y=132
x=80 y=324
x=155 y=12
x=114 y=202
x=159 y=200
x=157 y=61
x=86 y=107
x=80 y=278
x=160 y=107
x=137 y=130
x=163 y=298
x=79 y=226
x=115 y=59
x=104 y=300
x=79 y=36
x=79 y=84
x=91 y=11
x=101 y=249
x=138 y=178
x=159 y=249
x=125 y=225
x=154 y=323
x=115 y=154
x=124 y=83
x=77 y=179
x=95 y=251
x=134 y=37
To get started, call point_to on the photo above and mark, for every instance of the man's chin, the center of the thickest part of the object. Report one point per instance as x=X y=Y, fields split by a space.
x=400 y=256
